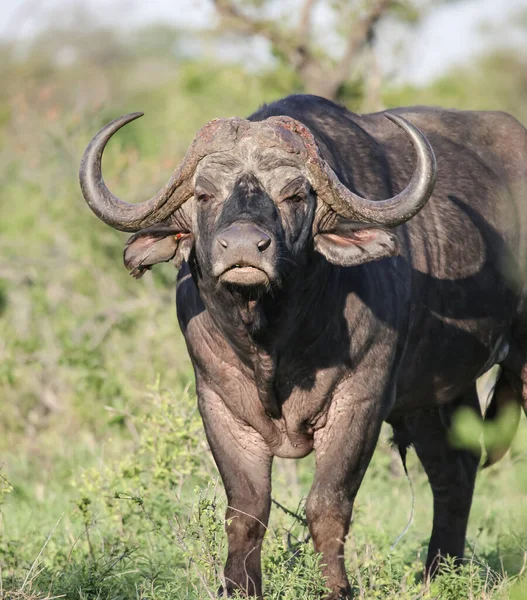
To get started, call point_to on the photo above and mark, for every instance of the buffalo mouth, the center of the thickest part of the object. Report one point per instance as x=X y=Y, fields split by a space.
x=244 y=275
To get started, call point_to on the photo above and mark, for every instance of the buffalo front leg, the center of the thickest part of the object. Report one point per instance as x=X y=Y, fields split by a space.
x=244 y=463
x=452 y=474
x=343 y=451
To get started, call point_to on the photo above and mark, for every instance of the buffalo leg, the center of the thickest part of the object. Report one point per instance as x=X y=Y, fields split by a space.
x=515 y=366
x=244 y=462
x=343 y=452
x=452 y=474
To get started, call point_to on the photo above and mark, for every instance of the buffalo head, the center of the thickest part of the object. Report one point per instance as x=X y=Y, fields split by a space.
x=251 y=199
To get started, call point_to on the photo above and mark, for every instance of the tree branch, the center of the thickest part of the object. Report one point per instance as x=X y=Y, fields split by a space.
x=359 y=37
x=304 y=24
x=245 y=24
x=296 y=47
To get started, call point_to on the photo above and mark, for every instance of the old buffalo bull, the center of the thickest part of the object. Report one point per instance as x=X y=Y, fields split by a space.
x=338 y=271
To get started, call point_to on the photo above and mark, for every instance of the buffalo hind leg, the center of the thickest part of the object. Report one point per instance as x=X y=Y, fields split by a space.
x=515 y=367
x=244 y=463
x=452 y=475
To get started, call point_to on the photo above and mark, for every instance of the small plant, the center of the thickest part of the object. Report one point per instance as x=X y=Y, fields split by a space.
x=5 y=488
x=468 y=581
x=291 y=573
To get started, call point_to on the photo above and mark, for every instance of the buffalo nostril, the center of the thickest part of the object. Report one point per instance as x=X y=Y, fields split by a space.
x=264 y=243
x=223 y=242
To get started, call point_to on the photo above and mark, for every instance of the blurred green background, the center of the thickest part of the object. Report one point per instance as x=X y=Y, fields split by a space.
x=107 y=488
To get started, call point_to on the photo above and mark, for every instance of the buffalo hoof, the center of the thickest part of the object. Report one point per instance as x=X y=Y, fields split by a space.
x=229 y=593
x=341 y=594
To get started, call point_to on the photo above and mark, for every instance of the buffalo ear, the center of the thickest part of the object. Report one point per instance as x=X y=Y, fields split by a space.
x=348 y=248
x=155 y=245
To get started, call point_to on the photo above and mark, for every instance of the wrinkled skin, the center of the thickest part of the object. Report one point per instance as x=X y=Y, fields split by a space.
x=307 y=331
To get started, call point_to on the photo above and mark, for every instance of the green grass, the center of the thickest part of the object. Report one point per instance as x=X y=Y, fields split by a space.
x=108 y=490
x=141 y=516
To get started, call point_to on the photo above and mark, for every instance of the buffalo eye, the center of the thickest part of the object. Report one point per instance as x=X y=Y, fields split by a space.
x=203 y=197
x=296 y=191
x=296 y=198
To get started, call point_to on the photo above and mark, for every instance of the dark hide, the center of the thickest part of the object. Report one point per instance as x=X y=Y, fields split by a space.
x=321 y=328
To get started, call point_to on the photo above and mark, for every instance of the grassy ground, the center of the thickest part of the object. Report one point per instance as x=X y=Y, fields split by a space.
x=138 y=514
x=107 y=488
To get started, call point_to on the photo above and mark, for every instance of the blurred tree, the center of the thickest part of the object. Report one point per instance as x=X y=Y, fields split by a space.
x=294 y=43
x=495 y=81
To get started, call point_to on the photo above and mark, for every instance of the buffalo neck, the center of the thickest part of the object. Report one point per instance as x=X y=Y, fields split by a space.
x=261 y=328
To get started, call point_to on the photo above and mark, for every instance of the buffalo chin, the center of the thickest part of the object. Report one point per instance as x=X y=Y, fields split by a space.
x=245 y=276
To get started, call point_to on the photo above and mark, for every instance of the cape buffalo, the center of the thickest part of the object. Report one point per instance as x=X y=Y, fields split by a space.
x=314 y=308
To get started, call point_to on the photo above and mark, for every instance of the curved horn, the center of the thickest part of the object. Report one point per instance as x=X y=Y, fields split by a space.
x=115 y=212
x=393 y=211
